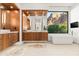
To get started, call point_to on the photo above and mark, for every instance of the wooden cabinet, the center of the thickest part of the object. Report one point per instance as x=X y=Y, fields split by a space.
x=1 y=43
x=6 y=40
x=35 y=36
x=12 y=19
x=13 y=38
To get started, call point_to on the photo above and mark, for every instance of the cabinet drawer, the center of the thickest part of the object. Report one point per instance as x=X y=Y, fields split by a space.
x=13 y=37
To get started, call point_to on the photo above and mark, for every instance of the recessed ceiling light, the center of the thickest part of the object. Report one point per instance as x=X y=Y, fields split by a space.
x=11 y=6
x=23 y=14
x=8 y=11
x=35 y=13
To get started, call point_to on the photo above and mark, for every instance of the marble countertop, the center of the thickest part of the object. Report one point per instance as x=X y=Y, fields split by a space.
x=8 y=32
x=35 y=31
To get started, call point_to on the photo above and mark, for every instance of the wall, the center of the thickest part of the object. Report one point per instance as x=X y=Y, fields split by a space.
x=74 y=18
x=38 y=21
x=52 y=36
x=49 y=8
x=75 y=14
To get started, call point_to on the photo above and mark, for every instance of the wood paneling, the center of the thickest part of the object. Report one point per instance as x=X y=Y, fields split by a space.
x=12 y=16
x=35 y=12
x=12 y=20
x=9 y=6
x=35 y=36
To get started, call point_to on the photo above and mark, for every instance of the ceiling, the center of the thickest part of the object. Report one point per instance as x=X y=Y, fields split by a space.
x=36 y=5
x=49 y=4
x=40 y=5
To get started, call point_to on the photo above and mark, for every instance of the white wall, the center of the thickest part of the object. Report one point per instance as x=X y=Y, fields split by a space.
x=75 y=14
x=38 y=19
x=55 y=37
x=74 y=18
x=52 y=8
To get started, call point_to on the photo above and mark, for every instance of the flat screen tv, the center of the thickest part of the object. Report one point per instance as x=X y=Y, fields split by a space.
x=74 y=24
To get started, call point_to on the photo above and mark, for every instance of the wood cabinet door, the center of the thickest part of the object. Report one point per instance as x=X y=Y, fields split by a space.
x=35 y=36
x=25 y=36
x=1 y=42
x=13 y=38
x=46 y=36
x=38 y=36
x=6 y=42
x=29 y=36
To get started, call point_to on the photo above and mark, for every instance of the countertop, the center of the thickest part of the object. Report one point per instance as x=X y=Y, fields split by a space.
x=35 y=31
x=8 y=32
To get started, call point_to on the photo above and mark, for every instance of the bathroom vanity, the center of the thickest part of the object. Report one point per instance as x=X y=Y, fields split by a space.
x=35 y=36
x=7 y=39
x=35 y=25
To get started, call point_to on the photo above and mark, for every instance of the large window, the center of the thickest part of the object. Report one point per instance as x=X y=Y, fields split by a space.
x=57 y=21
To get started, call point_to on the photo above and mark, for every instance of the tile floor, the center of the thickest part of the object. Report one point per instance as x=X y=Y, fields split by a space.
x=41 y=49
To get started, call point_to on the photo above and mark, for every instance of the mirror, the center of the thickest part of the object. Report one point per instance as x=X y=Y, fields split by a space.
x=26 y=22
x=9 y=19
x=34 y=20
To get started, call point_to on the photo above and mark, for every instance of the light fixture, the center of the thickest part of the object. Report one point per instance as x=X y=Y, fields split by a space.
x=8 y=11
x=3 y=17
x=35 y=13
x=16 y=11
x=1 y=7
x=11 y=7
x=23 y=14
